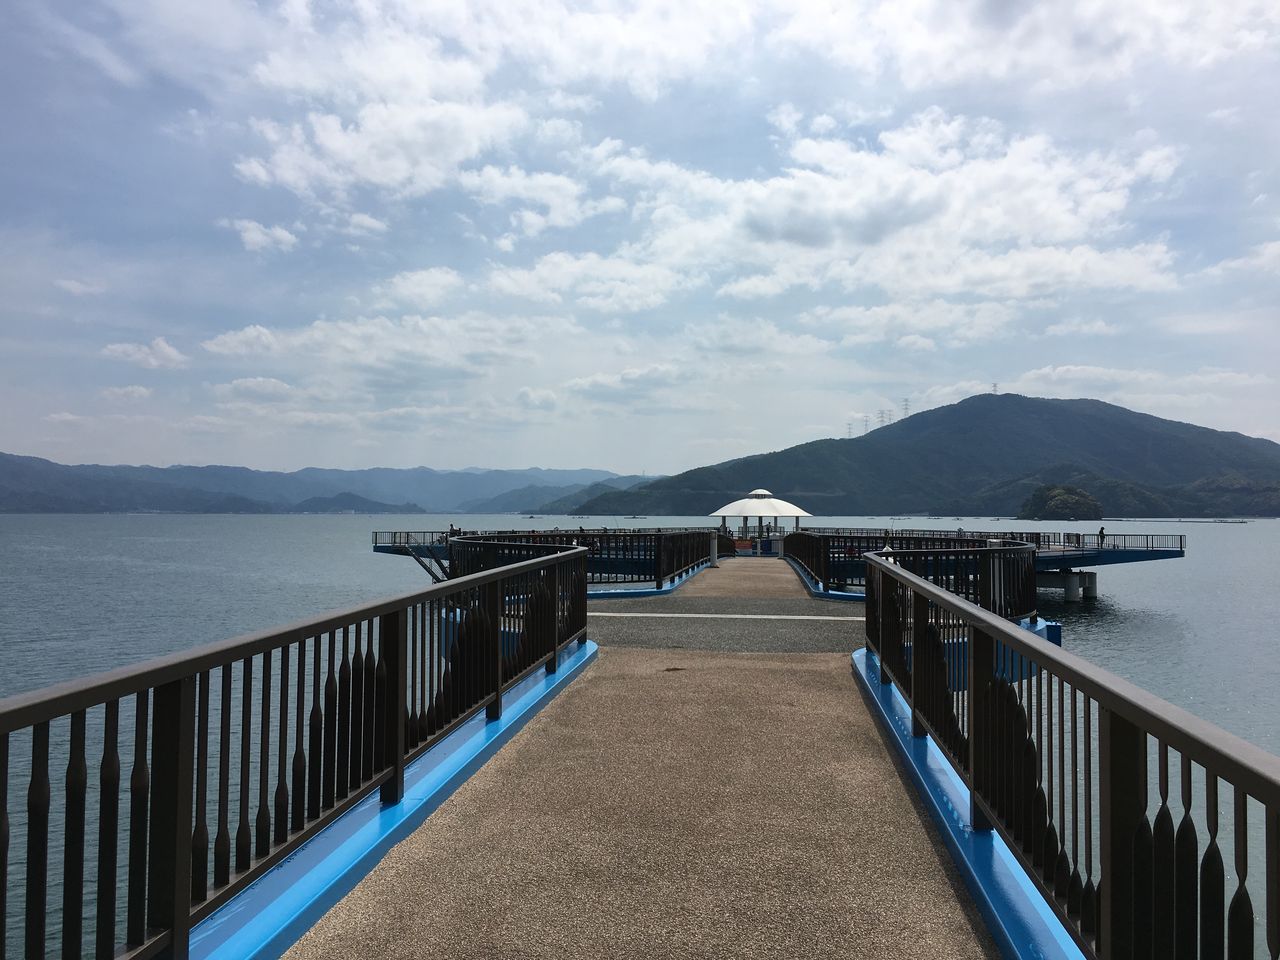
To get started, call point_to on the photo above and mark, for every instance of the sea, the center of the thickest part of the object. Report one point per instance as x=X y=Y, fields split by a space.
x=85 y=593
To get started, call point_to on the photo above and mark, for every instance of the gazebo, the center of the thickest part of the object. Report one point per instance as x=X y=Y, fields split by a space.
x=760 y=503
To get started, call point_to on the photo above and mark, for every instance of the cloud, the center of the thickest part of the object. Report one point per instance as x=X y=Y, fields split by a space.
x=616 y=284
x=126 y=393
x=422 y=288
x=913 y=341
x=256 y=237
x=630 y=386
x=534 y=398
x=64 y=417
x=1081 y=327
x=361 y=224
x=80 y=288
x=560 y=197
x=156 y=355
x=1263 y=258
x=262 y=388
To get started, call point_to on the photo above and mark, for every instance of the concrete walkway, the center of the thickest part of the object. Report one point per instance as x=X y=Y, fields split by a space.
x=673 y=803
x=762 y=577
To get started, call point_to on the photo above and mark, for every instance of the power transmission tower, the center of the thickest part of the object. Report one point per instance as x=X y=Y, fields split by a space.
x=848 y=429
x=995 y=388
x=906 y=407
x=880 y=415
x=866 y=422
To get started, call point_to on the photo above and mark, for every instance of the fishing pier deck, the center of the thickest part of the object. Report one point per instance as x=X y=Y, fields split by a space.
x=711 y=786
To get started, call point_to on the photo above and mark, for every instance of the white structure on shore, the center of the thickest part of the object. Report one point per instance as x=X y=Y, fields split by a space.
x=760 y=503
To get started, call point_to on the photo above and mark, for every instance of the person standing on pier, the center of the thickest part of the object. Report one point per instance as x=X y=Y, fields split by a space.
x=1102 y=536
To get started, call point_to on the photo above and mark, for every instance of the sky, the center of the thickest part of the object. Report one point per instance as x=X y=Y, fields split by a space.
x=635 y=236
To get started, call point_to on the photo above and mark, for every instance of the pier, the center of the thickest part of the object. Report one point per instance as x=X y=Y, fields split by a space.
x=711 y=786
x=497 y=765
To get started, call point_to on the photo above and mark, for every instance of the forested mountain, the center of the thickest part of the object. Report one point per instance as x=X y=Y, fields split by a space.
x=985 y=455
x=34 y=485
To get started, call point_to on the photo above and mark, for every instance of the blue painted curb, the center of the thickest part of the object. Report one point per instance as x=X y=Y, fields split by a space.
x=647 y=591
x=277 y=909
x=815 y=589
x=1020 y=922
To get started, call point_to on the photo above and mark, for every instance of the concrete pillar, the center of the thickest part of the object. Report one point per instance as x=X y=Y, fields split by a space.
x=1090 y=584
x=782 y=550
x=1071 y=584
x=715 y=550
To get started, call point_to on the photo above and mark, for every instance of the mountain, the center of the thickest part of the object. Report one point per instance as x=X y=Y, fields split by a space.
x=568 y=504
x=32 y=484
x=524 y=499
x=350 y=503
x=985 y=455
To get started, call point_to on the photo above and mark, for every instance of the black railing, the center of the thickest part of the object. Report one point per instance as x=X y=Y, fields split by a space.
x=1071 y=765
x=835 y=561
x=1041 y=539
x=156 y=793
x=613 y=556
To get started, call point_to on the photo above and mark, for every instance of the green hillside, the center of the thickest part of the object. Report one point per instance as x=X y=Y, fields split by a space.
x=985 y=455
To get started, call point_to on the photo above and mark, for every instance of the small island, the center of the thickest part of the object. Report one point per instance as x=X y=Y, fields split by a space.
x=1049 y=502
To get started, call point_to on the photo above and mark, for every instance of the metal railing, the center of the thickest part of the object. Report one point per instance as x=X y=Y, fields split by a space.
x=835 y=561
x=156 y=793
x=1071 y=765
x=1041 y=539
x=613 y=556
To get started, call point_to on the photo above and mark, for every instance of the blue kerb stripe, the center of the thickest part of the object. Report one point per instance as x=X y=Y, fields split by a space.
x=816 y=591
x=1021 y=923
x=646 y=591
x=270 y=915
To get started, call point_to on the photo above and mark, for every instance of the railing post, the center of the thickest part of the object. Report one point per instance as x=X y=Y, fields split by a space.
x=919 y=671
x=393 y=637
x=172 y=773
x=980 y=673
x=491 y=599
x=657 y=560
x=1122 y=791
x=553 y=579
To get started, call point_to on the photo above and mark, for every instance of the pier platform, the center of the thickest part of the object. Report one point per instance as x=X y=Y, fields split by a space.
x=713 y=786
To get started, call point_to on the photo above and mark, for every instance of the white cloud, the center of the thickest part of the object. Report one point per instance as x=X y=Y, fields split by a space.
x=1263 y=258
x=913 y=341
x=359 y=224
x=608 y=284
x=1081 y=327
x=262 y=388
x=560 y=197
x=256 y=237
x=535 y=398
x=785 y=118
x=628 y=386
x=422 y=288
x=156 y=355
x=80 y=288
x=133 y=392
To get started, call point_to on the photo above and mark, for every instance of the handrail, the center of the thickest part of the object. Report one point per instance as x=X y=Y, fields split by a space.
x=1041 y=538
x=1007 y=709
x=242 y=750
x=614 y=556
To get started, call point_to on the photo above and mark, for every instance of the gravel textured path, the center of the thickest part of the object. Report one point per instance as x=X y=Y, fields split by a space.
x=673 y=803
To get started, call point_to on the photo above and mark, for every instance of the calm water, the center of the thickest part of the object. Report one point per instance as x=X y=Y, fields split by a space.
x=85 y=593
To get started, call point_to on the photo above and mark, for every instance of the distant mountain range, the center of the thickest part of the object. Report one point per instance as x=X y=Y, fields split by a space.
x=981 y=456
x=34 y=485
x=985 y=455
